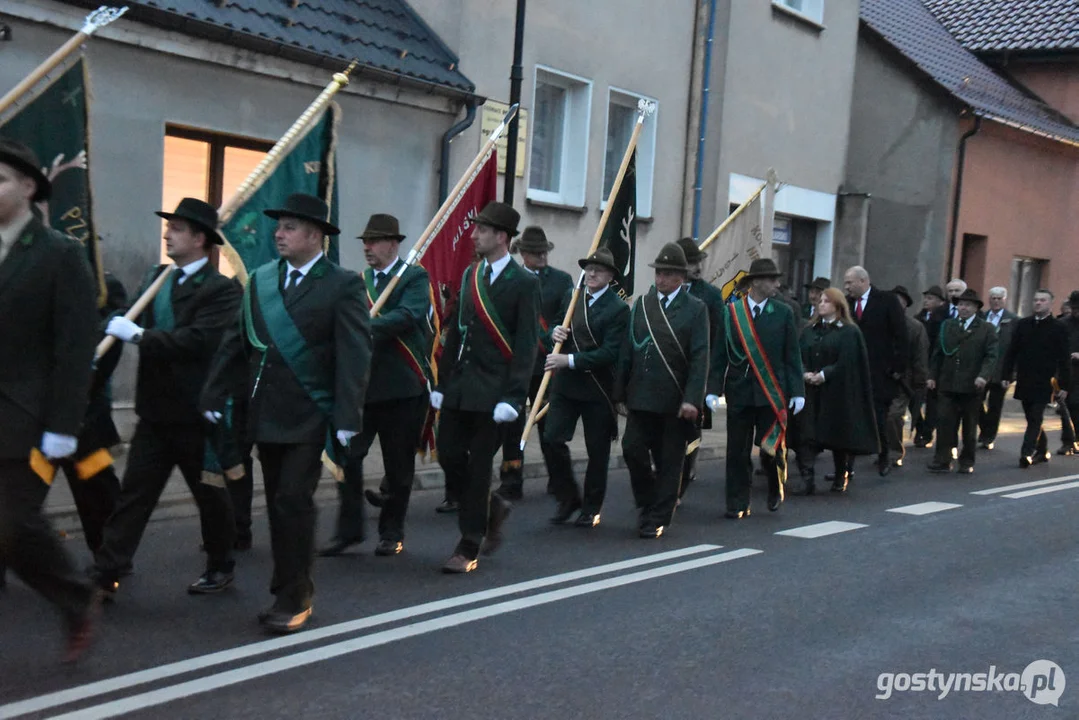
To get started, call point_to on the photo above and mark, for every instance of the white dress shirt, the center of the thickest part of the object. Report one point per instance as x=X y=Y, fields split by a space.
x=190 y=269
x=497 y=266
x=306 y=268
x=995 y=316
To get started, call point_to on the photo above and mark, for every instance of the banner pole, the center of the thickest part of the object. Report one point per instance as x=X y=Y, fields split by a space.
x=137 y=309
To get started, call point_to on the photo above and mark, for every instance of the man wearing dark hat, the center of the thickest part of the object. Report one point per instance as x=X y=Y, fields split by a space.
x=1070 y=416
x=912 y=384
x=661 y=376
x=963 y=360
x=819 y=284
x=397 y=393
x=176 y=338
x=712 y=298
x=553 y=284
x=1004 y=321
x=303 y=342
x=581 y=389
x=48 y=302
x=760 y=372
x=484 y=377
x=935 y=310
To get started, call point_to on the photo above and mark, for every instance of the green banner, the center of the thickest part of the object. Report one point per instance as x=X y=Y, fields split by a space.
x=620 y=234
x=55 y=125
x=309 y=168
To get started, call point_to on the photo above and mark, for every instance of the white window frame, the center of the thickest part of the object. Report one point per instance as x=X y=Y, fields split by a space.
x=577 y=120
x=646 y=149
x=812 y=10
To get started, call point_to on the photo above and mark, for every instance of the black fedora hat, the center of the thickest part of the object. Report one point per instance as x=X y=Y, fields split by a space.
x=500 y=216
x=819 y=283
x=935 y=291
x=603 y=257
x=969 y=295
x=382 y=226
x=24 y=160
x=763 y=268
x=671 y=257
x=903 y=293
x=533 y=240
x=198 y=213
x=692 y=250
x=305 y=207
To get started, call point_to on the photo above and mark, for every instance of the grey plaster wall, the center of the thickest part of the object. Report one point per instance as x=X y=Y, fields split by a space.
x=903 y=136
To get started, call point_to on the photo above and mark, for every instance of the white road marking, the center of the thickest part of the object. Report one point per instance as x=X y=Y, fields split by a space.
x=1021 y=486
x=926 y=508
x=345 y=647
x=1042 y=491
x=821 y=529
x=121 y=682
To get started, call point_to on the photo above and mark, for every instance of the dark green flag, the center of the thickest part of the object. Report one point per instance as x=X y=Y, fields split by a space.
x=309 y=168
x=620 y=233
x=55 y=125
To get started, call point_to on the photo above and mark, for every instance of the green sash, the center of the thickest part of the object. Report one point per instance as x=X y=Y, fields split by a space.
x=472 y=284
x=745 y=329
x=164 y=319
x=410 y=348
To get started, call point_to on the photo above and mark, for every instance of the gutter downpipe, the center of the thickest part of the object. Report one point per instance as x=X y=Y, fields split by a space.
x=703 y=124
x=455 y=130
x=958 y=198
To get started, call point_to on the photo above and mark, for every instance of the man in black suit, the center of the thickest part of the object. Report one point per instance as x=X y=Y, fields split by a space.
x=1038 y=353
x=486 y=368
x=553 y=284
x=177 y=336
x=397 y=394
x=879 y=315
x=1004 y=321
x=48 y=302
x=304 y=344
x=935 y=310
x=581 y=389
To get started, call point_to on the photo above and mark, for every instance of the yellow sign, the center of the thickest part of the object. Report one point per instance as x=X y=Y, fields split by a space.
x=493 y=112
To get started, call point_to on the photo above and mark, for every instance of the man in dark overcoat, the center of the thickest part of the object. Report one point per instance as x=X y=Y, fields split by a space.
x=1003 y=321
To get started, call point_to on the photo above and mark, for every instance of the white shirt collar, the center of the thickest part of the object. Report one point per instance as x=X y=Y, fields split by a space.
x=498 y=266
x=191 y=268
x=995 y=316
x=597 y=294
x=670 y=296
x=753 y=304
x=865 y=297
x=10 y=233
x=388 y=270
x=967 y=322
x=304 y=269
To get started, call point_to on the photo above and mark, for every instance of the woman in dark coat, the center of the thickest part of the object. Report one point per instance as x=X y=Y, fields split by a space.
x=839 y=401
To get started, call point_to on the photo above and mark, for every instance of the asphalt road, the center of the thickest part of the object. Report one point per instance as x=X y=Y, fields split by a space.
x=718 y=619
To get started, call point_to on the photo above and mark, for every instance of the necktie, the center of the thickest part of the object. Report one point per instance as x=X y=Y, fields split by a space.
x=380 y=277
x=180 y=277
x=487 y=275
x=293 y=280
x=756 y=312
x=858 y=309
x=666 y=301
x=589 y=298
x=955 y=313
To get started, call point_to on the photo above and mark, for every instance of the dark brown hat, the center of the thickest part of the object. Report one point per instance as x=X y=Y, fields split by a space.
x=500 y=216
x=305 y=207
x=1073 y=299
x=381 y=226
x=692 y=250
x=533 y=240
x=603 y=257
x=969 y=295
x=199 y=213
x=763 y=268
x=24 y=160
x=670 y=257
x=903 y=293
x=935 y=291
x=819 y=283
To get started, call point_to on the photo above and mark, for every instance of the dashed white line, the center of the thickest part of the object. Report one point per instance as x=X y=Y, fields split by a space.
x=1023 y=486
x=1042 y=490
x=925 y=508
x=821 y=529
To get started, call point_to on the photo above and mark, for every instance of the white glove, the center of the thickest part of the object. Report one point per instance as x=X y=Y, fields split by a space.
x=712 y=401
x=54 y=446
x=797 y=403
x=122 y=329
x=436 y=399
x=344 y=436
x=504 y=413
x=212 y=416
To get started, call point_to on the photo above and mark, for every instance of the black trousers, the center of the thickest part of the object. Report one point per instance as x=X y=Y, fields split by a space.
x=742 y=423
x=880 y=412
x=1035 y=442
x=1069 y=416
x=599 y=428
x=512 y=455
x=927 y=421
x=989 y=416
x=95 y=500
x=242 y=492
x=467 y=444
x=30 y=547
x=290 y=474
x=954 y=409
x=841 y=460
x=659 y=441
x=156 y=449
x=398 y=424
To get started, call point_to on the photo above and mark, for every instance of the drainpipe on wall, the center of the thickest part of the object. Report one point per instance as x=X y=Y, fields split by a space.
x=703 y=124
x=958 y=198
x=447 y=138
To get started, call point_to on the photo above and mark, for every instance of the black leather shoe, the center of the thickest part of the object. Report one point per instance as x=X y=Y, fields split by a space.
x=447 y=506
x=285 y=623
x=987 y=445
x=939 y=468
x=386 y=548
x=1066 y=450
x=337 y=547
x=1025 y=461
x=510 y=491
x=839 y=485
x=374 y=499
x=830 y=477
x=650 y=532
x=898 y=462
x=736 y=514
x=107 y=584
x=884 y=468
x=587 y=520
x=211 y=582
x=565 y=510
x=775 y=499
x=1042 y=458
x=966 y=470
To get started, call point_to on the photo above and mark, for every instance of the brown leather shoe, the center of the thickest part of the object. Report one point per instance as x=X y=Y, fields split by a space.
x=80 y=631
x=500 y=510
x=281 y=622
x=458 y=564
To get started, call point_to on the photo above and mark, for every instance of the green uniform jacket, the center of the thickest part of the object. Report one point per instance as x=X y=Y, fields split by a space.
x=778 y=334
x=404 y=315
x=474 y=376
x=642 y=380
x=607 y=318
x=838 y=414
x=960 y=356
x=712 y=298
x=553 y=285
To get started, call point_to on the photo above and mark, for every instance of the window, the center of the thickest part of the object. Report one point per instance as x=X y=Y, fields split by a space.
x=621 y=117
x=558 y=164
x=810 y=9
x=206 y=166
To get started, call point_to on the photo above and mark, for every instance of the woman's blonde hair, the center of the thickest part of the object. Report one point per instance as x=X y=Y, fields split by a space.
x=835 y=295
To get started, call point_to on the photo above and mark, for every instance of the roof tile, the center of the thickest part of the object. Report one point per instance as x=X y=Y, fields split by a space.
x=1010 y=25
